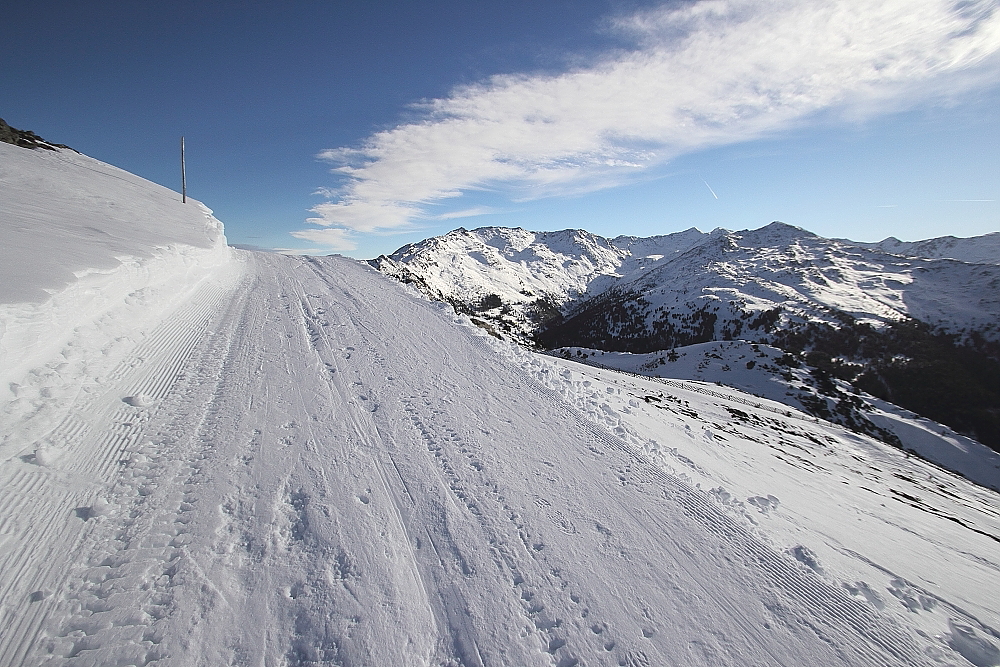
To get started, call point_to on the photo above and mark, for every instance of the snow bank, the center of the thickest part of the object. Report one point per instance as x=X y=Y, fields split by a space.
x=67 y=215
x=92 y=255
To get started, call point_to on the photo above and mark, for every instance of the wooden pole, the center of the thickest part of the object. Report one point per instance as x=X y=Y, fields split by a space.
x=183 y=176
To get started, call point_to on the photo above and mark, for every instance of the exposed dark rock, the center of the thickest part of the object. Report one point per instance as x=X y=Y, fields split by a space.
x=25 y=138
x=952 y=378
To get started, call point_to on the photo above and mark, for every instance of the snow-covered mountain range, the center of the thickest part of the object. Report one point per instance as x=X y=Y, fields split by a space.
x=886 y=318
x=949 y=283
x=983 y=249
x=211 y=456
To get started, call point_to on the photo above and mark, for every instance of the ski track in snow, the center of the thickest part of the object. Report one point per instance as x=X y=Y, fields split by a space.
x=321 y=468
x=868 y=508
x=45 y=508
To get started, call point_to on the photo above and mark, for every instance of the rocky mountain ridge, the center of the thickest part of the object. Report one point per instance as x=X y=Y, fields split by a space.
x=983 y=249
x=519 y=280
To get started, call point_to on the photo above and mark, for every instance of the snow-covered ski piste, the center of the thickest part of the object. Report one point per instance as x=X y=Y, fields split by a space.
x=272 y=460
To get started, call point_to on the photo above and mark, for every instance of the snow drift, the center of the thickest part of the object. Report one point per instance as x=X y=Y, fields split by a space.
x=83 y=238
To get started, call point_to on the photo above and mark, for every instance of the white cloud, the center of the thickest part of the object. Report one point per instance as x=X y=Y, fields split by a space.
x=704 y=74
x=331 y=238
x=468 y=213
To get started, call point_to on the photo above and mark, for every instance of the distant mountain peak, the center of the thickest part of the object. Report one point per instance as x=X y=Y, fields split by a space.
x=749 y=271
x=983 y=249
x=775 y=232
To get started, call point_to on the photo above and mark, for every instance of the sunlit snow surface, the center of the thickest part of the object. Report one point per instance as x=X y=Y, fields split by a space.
x=82 y=239
x=67 y=215
x=753 y=368
x=272 y=460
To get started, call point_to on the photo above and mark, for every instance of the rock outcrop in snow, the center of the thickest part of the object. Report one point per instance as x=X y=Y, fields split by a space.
x=25 y=138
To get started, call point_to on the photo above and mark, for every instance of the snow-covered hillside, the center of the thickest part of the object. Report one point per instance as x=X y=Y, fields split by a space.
x=763 y=371
x=531 y=274
x=89 y=251
x=89 y=217
x=983 y=249
x=749 y=272
x=733 y=275
x=922 y=331
x=275 y=460
x=845 y=506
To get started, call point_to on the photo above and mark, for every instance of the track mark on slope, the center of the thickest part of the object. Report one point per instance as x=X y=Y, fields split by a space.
x=532 y=580
x=91 y=442
x=813 y=596
x=109 y=607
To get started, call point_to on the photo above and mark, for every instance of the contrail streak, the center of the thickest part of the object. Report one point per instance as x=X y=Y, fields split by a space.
x=709 y=188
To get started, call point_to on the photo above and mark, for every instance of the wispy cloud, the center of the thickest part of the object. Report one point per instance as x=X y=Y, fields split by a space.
x=468 y=213
x=702 y=74
x=332 y=238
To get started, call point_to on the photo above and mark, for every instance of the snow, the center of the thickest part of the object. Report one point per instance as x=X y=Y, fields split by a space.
x=886 y=527
x=753 y=369
x=983 y=249
x=83 y=239
x=732 y=272
x=521 y=266
x=781 y=265
x=241 y=458
x=87 y=216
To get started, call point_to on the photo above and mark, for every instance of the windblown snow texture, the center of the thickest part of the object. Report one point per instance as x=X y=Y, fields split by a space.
x=297 y=461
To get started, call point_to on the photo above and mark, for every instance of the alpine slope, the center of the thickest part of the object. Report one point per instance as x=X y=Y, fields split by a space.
x=216 y=457
x=892 y=339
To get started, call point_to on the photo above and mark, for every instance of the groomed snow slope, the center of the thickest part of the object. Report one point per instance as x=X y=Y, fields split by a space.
x=82 y=239
x=93 y=260
x=316 y=484
x=296 y=461
x=320 y=485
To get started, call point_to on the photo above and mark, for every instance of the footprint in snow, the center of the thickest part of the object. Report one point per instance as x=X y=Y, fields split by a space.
x=139 y=400
x=807 y=557
x=977 y=650
x=46 y=456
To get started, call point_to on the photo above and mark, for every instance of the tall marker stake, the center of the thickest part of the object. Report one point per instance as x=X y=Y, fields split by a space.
x=184 y=187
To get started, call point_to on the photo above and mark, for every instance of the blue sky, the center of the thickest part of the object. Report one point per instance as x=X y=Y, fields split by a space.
x=853 y=118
